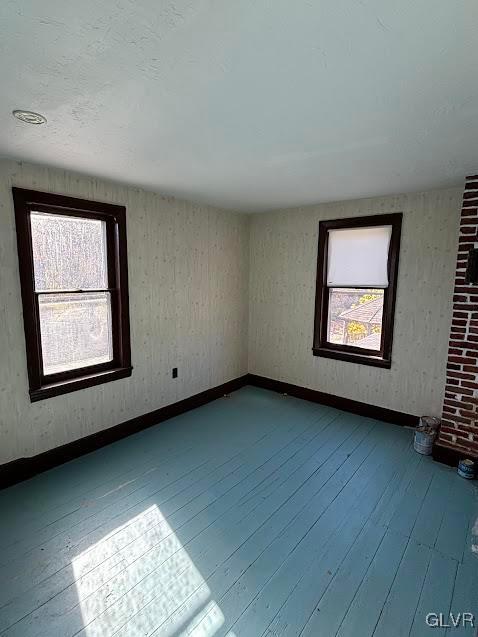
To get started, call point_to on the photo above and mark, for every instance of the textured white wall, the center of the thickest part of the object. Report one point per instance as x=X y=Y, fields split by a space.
x=196 y=279
x=283 y=249
x=188 y=285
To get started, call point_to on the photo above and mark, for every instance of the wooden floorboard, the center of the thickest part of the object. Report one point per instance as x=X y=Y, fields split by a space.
x=257 y=515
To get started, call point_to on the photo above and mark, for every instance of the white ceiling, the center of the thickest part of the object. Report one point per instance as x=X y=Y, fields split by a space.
x=248 y=104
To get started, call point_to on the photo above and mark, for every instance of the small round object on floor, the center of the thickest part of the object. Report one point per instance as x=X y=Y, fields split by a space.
x=466 y=469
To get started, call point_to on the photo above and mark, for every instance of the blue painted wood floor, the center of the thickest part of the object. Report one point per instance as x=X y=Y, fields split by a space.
x=256 y=515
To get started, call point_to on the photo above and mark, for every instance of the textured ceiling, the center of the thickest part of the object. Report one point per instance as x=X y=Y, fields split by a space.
x=248 y=104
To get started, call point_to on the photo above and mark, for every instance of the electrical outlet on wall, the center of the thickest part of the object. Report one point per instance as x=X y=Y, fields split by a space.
x=175 y=372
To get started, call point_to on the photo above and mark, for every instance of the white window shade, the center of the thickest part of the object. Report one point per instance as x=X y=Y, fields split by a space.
x=358 y=257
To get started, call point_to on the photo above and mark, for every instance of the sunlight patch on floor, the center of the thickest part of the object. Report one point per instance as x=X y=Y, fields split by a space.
x=143 y=586
x=210 y=620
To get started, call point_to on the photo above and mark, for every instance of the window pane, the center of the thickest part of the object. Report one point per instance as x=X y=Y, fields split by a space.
x=75 y=330
x=355 y=317
x=69 y=253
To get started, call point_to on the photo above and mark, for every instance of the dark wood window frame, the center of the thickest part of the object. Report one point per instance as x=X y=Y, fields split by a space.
x=322 y=347
x=46 y=386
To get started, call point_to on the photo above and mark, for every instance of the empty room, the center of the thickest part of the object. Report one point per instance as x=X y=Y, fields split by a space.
x=239 y=318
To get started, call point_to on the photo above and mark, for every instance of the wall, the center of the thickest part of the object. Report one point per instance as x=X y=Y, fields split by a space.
x=190 y=267
x=459 y=428
x=282 y=294
x=188 y=284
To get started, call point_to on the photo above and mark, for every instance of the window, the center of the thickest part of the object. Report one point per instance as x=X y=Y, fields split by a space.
x=357 y=268
x=74 y=281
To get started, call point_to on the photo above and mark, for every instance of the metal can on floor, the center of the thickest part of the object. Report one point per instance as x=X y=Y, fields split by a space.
x=467 y=469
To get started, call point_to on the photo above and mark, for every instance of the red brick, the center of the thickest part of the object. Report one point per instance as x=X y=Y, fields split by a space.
x=459 y=419
x=454 y=366
x=460 y=322
x=463 y=439
x=454 y=374
x=449 y=410
x=473 y=446
x=451 y=395
x=469 y=212
x=446 y=431
x=464 y=446
x=470 y=415
x=461 y=359
x=449 y=423
x=468 y=384
x=465 y=244
x=468 y=344
x=452 y=386
x=446 y=437
x=468 y=429
x=469 y=307
x=453 y=381
x=471 y=368
x=454 y=351
x=458 y=403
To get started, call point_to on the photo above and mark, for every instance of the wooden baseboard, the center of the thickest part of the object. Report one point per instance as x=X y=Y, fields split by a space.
x=24 y=468
x=346 y=404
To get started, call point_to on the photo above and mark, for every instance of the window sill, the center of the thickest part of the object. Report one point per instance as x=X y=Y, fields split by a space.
x=352 y=357
x=82 y=382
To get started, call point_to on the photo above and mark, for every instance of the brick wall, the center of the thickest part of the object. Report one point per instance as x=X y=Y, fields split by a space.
x=460 y=406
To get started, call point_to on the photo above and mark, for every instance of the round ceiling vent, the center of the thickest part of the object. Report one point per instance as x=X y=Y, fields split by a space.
x=29 y=117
